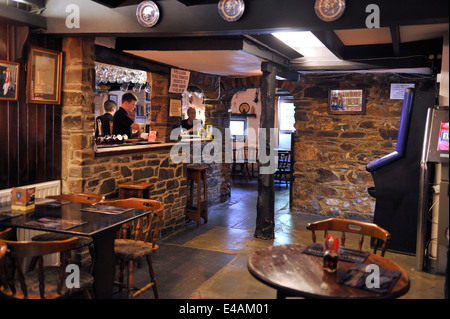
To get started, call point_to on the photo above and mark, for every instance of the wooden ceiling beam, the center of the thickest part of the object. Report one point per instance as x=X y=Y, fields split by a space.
x=260 y=17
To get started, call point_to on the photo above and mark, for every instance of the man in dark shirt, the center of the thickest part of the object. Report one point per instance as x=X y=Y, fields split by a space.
x=106 y=119
x=191 y=124
x=123 y=123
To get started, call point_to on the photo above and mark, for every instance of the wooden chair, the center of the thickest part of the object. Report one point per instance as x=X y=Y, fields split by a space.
x=352 y=226
x=143 y=245
x=252 y=159
x=239 y=166
x=47 y=282
x=283 y=170
x=79 y=198
x=84 y=241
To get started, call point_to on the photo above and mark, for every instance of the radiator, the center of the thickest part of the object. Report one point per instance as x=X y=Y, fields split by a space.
x=42 y=190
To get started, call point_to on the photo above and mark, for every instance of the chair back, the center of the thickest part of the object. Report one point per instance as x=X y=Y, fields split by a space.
x=147 y=228
x=352 y=226
x=239 y=155
x=79 y=198
x=22 y=249
x=8 y=234
x=283 y=161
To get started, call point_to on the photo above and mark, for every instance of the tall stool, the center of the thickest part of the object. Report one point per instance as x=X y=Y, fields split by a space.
x=139 y=190
x=136 y=190
x=197 y=174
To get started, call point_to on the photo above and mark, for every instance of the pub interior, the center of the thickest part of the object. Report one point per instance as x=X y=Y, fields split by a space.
x=348 y=125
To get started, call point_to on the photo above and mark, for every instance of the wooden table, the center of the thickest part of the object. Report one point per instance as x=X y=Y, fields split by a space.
x=101 y=227
x=294 y=273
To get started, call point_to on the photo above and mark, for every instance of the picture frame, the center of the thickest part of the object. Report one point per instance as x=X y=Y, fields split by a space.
x=44 y=76
x=113 y=97
x=346 y=101
x=9 y=81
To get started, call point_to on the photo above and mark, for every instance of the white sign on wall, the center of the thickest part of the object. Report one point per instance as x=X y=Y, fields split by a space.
x=179 y=81
x=398 y=90
x=175 y=108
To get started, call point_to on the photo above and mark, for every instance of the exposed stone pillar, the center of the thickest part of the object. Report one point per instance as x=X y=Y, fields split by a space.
x=78 y=113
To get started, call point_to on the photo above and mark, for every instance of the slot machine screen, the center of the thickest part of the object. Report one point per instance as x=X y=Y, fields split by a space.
x=443 y=137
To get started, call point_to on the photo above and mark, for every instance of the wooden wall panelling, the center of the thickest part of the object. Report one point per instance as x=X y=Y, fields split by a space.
x=30 y=134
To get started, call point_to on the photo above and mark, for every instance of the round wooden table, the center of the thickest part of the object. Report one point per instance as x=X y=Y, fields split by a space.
x=293 y=273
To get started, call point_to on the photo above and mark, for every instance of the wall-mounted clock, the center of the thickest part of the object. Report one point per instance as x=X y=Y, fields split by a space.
x=244 y=108
x=329 y=10
x=147 y=14
x=231 y=10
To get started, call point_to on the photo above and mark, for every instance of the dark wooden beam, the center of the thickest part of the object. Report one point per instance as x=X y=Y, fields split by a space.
x=366 y=64
x=416 y=48
x=275 y=44
x=17 y=16
x=261 y=17
x=395 y=36
x=265 y=208
x=180 y=43
x=118 y=3
x=115 y=57
x=332 y=42
x=196 y=2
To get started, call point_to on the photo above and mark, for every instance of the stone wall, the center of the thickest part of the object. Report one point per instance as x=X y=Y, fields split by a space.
x=331 y=151
x=153 y=166
x=83 y=171
x=78 y=113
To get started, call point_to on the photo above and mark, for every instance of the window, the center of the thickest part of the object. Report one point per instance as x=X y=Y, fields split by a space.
x=237 y=127
x=287 y=116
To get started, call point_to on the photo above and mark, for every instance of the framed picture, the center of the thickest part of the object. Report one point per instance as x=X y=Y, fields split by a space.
x=114 y=98
x=346 y=101
x=44 y=76
x=9 y=80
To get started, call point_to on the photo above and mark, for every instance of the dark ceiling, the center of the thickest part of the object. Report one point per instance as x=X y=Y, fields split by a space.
x=410 y=34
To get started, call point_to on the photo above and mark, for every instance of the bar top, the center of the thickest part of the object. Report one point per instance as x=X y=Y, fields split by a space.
x=129 y=149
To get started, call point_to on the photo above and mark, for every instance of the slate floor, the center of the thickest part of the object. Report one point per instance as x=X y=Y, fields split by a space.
x=210 y=261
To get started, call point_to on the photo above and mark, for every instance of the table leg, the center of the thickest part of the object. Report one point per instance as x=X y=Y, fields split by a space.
x=104 y=267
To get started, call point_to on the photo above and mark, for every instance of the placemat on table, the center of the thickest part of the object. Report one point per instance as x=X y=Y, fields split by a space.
x=55 y=223
x=104 y=209
x=344 y=254
x=358 y=277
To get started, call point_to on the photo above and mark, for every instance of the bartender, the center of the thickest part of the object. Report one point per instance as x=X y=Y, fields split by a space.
x=123 y=123
x=188 y=124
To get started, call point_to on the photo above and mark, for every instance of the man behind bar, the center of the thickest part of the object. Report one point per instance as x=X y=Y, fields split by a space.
x=123 y=123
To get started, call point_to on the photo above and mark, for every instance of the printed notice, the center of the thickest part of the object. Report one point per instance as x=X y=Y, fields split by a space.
x=175 y=108
x=179 y=80
x=398 y=90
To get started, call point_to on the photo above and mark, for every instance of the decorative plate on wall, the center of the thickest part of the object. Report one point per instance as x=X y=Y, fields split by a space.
x=231 y=10
x=329 y=10
x=147 y=14
x=244 y=108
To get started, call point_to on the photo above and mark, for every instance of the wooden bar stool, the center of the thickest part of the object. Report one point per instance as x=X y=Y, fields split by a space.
x=197 y=174
x=136 y=190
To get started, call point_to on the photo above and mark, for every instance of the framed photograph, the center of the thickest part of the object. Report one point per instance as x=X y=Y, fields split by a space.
x=114 y=98
x=346 y=101
x=9 y=80
x=44 y=76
